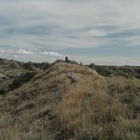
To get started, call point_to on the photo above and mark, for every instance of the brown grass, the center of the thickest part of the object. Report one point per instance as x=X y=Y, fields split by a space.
x=92 y=107
x=97 y=112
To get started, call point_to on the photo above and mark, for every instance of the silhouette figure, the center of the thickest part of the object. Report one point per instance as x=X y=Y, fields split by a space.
x=66 y=58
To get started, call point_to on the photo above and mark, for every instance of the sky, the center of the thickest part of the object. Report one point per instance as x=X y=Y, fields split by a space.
x=103 y=32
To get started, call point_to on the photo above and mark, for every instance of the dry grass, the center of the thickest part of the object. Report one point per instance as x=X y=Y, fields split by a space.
x=92 y=111
x=69 y=101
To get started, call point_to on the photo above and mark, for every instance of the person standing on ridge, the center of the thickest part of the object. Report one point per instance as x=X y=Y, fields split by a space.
x=66 y=58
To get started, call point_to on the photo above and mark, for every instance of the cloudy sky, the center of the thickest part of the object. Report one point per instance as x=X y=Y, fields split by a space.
x=104 y=32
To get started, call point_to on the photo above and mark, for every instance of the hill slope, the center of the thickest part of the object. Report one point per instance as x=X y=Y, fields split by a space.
x=70 y=101
x=10 y=70
x=123 y=71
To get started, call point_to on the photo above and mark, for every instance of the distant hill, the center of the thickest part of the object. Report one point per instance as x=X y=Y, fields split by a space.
x=10 y=70
x=67 y=100
x=123 y=71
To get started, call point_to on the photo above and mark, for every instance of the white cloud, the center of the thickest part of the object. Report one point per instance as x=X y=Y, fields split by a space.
x=15 y=56
x=57 y=25
x=2 y=52
x=10 y=51
x=21 y=51
x=96 y=33
x=53 y=56
x=67 y=16
x=50 y=53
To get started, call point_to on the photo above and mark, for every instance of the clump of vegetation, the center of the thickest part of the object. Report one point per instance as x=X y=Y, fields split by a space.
x=23 y=78
x=47 y=66
x=68 y=61
x=72 y=62
x=28 y=66
x=2 y=91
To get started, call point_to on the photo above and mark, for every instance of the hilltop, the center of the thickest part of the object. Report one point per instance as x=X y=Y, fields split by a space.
x=62 y=101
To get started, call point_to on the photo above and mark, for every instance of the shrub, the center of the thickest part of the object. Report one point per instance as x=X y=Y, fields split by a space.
x=23 y=78
x=47 y=66
x=2 y=91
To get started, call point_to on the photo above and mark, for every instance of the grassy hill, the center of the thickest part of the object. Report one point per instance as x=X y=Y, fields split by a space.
x=123 y=71
x=70 y=101
x=11 y=71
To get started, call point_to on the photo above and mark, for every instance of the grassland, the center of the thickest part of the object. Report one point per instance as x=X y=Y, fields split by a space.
x=72 y=102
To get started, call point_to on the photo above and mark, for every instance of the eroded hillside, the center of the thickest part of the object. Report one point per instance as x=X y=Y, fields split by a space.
x=11 y=70
x=71 y=101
